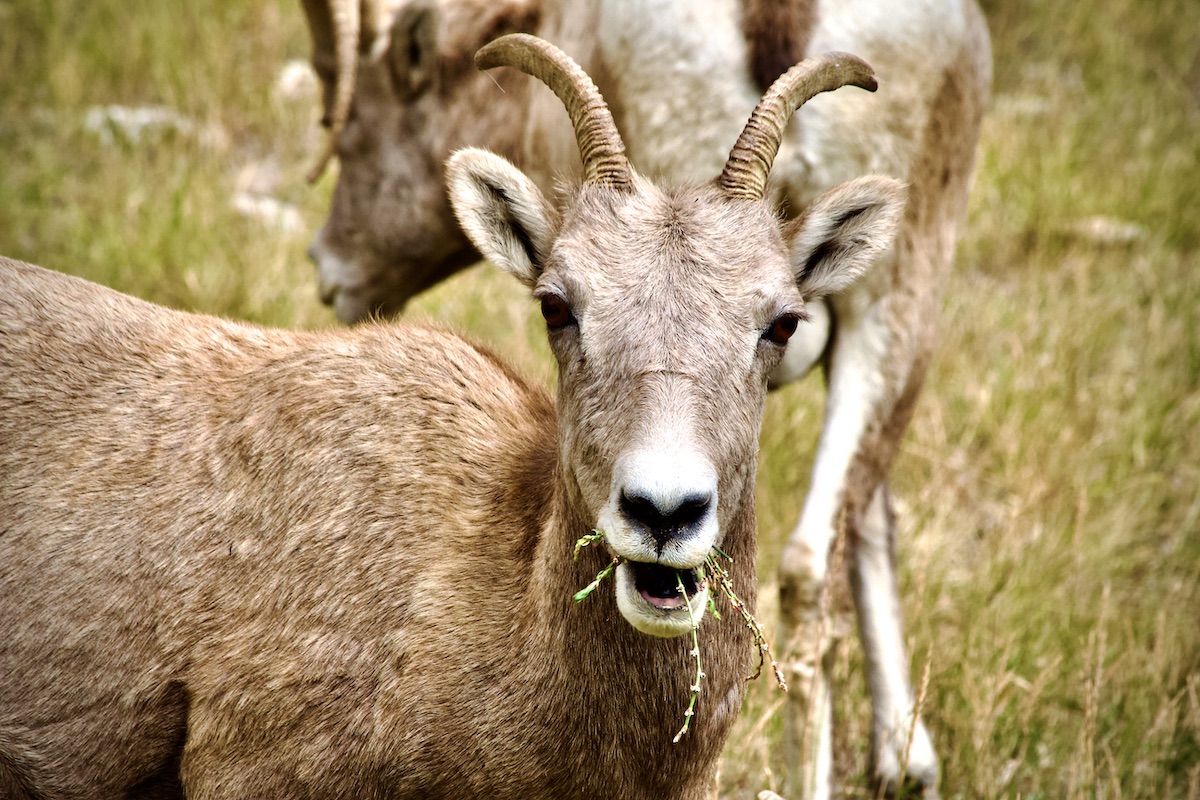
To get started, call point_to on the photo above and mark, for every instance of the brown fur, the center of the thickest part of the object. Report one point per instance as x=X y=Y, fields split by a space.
x=467 y=28
x=777 y=34
x=242 y=562
x=938 y=193
x=255 y=563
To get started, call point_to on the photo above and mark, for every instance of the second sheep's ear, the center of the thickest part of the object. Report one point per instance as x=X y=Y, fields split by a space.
x=412 y=49
x=502 y=212
x=843 y=232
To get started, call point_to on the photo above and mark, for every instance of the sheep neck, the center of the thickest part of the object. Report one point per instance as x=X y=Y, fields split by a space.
x=600 y=697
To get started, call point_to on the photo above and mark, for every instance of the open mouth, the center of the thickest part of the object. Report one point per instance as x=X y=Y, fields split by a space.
x=659 y=584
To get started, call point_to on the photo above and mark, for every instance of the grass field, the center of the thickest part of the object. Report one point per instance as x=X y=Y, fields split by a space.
x=1050 y=483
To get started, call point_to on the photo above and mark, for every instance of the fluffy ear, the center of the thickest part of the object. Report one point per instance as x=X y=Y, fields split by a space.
x=501 y=211
x=843 y=232
x=412 y=49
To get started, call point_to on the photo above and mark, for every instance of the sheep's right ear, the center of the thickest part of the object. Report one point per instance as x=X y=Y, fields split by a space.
x=501 y=211
x=843 y=232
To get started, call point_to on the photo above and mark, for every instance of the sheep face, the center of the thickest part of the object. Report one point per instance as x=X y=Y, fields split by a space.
x=662 y=377
x=666 y=311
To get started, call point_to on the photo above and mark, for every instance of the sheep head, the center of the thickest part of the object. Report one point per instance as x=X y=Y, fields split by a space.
x=666 y=309
x=400 y=94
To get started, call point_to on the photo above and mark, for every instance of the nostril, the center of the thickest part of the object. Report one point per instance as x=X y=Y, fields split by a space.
x=665 y=520
x=690 y=511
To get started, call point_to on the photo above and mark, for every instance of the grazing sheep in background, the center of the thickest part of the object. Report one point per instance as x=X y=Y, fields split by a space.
x=679 y=75
x=242 y=562
x=417 y=98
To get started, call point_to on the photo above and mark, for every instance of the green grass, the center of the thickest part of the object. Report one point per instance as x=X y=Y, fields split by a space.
x=1050 y=483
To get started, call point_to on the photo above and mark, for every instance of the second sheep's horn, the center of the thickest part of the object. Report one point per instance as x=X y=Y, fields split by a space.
x=749 y=163
x=337 y=27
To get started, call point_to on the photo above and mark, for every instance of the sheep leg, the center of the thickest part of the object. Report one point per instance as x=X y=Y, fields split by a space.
x=810 y=633
x=895 y=757
x=867 y=410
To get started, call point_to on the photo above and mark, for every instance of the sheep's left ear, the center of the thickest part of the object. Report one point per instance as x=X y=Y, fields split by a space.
x=501 y=211
x=843 y=232
x=412 y=49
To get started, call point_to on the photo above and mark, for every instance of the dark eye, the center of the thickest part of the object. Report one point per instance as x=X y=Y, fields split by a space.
x=782 y=329
x=556 y=311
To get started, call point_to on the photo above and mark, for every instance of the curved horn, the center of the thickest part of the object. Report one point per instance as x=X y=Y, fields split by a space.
x=343 y=40
x=600 y=144
x=745 y=173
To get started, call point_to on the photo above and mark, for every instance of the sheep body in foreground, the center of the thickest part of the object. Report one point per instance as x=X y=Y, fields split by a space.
x=197 y=521
x=243 y=562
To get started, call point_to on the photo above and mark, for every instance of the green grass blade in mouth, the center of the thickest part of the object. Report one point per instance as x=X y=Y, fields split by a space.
x=582 y=594
x=587 y=539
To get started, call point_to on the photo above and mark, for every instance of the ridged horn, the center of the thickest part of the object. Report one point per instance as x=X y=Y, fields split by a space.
x=746 y=170
x=600 y=145
x=336 y=25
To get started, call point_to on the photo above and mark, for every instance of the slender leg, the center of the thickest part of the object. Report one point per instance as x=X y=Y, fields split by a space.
x=873 y=579
x=873 y=379
x=809 y=633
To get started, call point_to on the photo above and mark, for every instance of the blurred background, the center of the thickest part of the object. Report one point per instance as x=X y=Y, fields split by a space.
x=1049 y=485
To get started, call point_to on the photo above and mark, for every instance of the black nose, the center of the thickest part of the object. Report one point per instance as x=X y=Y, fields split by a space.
x=665 y=519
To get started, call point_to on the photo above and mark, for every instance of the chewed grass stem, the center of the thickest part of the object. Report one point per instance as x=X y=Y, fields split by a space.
x=587 y=539
x=691 y=709
x=584 y=541
x=582 y=594
x=721 y=576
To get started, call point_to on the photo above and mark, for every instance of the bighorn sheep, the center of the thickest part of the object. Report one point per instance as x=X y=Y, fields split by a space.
x=242 y=562
x=655 y=61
